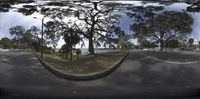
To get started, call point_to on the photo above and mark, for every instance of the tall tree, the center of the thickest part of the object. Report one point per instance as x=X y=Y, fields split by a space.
x=52 y=32
x=94 y=19
x=34 y=32
x=164 y=27
x=18 y=32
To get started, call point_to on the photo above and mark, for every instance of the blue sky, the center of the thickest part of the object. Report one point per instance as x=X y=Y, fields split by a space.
x=126 y=21
x=10 y=19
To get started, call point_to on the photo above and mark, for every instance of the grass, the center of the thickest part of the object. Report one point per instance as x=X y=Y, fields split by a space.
x=86 y=64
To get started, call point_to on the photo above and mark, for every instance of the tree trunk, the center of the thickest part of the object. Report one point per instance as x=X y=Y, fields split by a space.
x=162 y=45
x=65 y=55
x=78 y=56
x=17 y=44
x=91 y=46
x=71 y=53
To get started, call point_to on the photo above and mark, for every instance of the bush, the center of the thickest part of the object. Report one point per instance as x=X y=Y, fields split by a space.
x=78 y=52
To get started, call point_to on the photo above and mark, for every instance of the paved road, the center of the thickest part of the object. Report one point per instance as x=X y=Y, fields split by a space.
x=139 y=75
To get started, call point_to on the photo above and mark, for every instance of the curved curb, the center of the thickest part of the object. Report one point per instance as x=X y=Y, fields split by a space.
x=82 y=77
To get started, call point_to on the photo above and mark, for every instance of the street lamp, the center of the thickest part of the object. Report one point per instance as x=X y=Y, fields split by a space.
x=42 y=36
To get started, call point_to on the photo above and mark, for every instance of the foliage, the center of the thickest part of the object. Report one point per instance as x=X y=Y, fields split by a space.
x=34 y=41
x=71 y=38
x=199 y=43
x=28 y=9
x=194 y=7
x=147 y=44
x=164 y=27
x=52 y=32
x=18 y=33
x=25 y=38
x=93 y=19
x=6 y=43
x=5 y=5
x=173 y=43
x=65 y=50
x=127 y=46
x=78 y=52
x=191 y=41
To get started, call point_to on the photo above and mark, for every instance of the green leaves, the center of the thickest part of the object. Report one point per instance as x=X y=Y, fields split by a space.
x=6 y=43
x=17 y=31
x=164 y=27
x=28 y=9
x=191 y=41
x=71 y=38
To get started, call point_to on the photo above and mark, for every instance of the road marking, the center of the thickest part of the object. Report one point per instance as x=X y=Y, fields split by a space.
x=170 y=62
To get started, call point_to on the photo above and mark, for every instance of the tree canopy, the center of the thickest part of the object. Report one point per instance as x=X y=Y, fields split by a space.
x=6 y=43
x=94 y=20
x=164 y=27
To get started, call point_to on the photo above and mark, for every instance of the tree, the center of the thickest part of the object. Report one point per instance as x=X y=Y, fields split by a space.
x=147 y=44
x=71 y=39
x=199 y=44
x=28 y=9
x=173 y=43
x=35 y=39
x=18 y=32
x=78 y=52
x=5 y=5
x=6 y=43
x=195 y=7
x=52 y=32
x=29 y=38
x=191 y=42
x=123 y=39
x=163 y=27
x=65 y=49
x=93 y=19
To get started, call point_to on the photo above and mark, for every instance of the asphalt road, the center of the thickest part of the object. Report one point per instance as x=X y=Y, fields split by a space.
x=141 y=74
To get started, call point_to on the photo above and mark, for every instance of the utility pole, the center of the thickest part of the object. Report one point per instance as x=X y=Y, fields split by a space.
x=42 y=38
x=42 y=42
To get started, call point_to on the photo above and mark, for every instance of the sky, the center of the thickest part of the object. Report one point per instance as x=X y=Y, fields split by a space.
x=11 y=18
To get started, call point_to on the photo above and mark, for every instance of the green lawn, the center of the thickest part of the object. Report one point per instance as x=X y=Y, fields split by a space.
x=86 y=64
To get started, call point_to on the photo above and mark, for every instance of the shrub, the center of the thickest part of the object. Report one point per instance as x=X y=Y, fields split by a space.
x=78 y=52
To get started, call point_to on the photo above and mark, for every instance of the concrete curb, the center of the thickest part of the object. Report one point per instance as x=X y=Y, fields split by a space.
x=82 y=77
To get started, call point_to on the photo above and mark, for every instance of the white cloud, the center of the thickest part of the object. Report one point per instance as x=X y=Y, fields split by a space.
x=196 y=26
x=11 y=19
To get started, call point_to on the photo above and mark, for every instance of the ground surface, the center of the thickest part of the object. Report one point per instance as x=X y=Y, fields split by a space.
x=139 y=75
x=88 y=64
